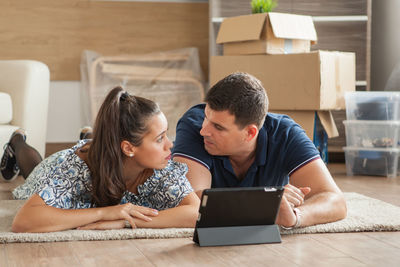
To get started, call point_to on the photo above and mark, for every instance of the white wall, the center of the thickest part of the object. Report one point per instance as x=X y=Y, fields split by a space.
x=65 y=116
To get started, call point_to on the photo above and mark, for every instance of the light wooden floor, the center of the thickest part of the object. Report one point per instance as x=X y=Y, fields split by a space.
x=339 y=249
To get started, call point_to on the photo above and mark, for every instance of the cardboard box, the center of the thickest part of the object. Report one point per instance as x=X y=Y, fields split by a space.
x=267 y=33
x=319 y=126
x=310 y=81
x=307 y=119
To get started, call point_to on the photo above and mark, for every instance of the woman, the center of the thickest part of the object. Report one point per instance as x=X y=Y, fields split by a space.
x=123 y=175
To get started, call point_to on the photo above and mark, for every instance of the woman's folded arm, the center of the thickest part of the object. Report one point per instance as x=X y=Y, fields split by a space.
x=36 y=216
x=184 y=215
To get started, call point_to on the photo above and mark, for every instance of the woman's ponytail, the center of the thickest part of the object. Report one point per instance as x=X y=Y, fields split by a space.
x=120 y=117
x=105 y=159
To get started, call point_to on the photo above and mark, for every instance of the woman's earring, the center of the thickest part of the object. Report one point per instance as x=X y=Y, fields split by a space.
x=131 y=155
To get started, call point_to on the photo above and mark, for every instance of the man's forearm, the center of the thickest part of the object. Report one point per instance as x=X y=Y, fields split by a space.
x=323 y=208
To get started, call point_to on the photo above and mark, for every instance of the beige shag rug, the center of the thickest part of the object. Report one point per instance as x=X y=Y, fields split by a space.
x=364 y=214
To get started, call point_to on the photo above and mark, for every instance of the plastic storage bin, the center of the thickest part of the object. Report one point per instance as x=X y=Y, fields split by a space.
x=372 y=105
x=371 y=161
x=372 y=134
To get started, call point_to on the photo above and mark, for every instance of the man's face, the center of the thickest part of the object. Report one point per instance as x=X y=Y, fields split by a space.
x=222 y=137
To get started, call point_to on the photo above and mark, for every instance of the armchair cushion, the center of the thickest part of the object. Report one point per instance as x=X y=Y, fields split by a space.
x=27 y=82
x=5 y=108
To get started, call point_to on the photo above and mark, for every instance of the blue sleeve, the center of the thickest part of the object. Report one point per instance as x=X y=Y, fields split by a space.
x=300 y=150
x=189 y=143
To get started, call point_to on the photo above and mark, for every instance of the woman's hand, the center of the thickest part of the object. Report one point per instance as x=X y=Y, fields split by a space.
x=127 y=212
x=104 y=225
x=295 y=195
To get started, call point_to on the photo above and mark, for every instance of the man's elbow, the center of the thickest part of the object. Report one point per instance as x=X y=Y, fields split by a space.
x=341 y=206
x=199 y=193
x=191 y=217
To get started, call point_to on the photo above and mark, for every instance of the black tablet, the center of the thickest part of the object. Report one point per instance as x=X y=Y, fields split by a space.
x=240 y=206
x=243 y=206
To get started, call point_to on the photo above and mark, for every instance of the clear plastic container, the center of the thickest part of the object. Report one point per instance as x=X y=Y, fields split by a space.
x=372 y=105
x=371 y=161
x=372 y=134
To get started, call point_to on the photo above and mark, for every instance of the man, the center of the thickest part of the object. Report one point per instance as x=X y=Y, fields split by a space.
x=231 y=141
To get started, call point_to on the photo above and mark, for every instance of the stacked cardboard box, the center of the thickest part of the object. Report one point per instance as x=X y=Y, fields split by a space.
x=275 y=48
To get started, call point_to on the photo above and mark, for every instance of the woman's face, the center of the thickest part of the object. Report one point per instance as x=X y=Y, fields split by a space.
x=155 y=150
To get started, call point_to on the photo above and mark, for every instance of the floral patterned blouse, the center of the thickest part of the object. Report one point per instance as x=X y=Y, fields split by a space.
x=63 y=181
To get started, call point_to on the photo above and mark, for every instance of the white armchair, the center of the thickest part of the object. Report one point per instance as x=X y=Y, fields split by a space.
x=27 y=82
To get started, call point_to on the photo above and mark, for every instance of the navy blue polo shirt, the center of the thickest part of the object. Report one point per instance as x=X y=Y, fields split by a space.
x=282 y=148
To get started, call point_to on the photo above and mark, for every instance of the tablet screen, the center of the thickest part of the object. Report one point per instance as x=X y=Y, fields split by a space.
x=239 y=206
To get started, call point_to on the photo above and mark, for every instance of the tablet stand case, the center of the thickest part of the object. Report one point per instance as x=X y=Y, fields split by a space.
x=237 y=235
x=220 y=224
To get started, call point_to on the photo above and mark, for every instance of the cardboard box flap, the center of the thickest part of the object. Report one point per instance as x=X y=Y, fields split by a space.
x=328 y=123
x=306 y=119
x=289 y=26
x=242 y=28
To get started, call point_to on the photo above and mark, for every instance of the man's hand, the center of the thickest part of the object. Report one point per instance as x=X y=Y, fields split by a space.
x=286 y=216
x=294 y=195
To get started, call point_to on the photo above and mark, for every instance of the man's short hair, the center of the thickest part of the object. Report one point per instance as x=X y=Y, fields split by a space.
x=243 y=96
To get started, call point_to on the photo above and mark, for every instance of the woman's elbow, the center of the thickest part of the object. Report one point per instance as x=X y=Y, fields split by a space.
x=25 y=225
x=18 y=226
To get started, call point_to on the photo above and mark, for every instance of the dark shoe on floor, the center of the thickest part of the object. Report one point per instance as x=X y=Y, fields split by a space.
x=8 y=165
x=86 y=133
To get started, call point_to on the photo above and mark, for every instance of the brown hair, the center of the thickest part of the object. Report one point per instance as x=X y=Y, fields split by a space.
x=242 y=95
x=121 y=117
